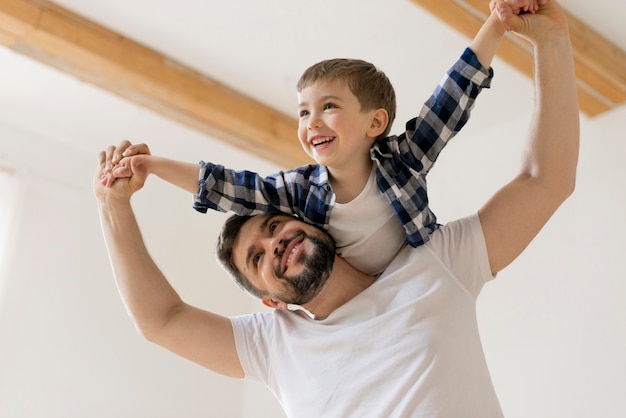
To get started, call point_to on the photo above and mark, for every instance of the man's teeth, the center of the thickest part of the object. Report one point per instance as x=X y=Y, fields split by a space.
x=319 y=141
x=293 y=250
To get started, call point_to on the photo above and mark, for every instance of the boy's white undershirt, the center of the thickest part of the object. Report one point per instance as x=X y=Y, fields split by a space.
x=366 y=230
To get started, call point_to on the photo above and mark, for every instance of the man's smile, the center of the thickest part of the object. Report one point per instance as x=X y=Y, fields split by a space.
x=291 y=253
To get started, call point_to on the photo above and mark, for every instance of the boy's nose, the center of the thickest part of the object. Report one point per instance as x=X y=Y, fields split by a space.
x=315 y=122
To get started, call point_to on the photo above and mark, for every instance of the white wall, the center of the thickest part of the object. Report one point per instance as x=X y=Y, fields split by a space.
x=67 y=347
x=552 y=323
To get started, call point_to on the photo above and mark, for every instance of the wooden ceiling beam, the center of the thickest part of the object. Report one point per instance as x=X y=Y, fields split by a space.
x=600 y=65
x=58 y=37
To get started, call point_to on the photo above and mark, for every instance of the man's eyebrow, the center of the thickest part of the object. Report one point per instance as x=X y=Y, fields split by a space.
x=252 y=248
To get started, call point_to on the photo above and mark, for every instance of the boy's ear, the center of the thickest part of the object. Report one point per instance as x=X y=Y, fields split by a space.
x=378 y=123
x=270 y=302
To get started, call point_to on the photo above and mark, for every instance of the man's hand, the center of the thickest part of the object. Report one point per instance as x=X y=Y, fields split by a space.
x=105 y=188
x=117 y=162
x=534 y=27
x=523 y=6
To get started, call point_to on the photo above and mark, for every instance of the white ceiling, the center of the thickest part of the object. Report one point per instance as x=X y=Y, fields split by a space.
x=260 y=48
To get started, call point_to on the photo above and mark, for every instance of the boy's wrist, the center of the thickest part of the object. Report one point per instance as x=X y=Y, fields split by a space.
x=487 y=40
x=495 y=26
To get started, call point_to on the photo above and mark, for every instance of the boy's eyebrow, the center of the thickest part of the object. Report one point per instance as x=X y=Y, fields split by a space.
x=252 y=247
x=323 y=98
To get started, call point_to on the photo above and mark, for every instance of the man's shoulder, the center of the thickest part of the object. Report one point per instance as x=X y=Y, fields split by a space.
x=455 y=236
x=467 y=223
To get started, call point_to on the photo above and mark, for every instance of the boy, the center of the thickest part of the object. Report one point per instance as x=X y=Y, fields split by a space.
x=368 y=189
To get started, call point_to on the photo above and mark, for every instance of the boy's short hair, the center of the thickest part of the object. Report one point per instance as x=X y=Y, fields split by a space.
x=369 y=84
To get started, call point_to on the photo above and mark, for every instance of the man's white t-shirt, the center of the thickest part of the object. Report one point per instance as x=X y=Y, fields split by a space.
x=407 y=346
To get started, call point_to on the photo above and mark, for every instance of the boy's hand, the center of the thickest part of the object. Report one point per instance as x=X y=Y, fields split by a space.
x=537 y=27
x=113 y=161
x=523 y=6
x=122 y=189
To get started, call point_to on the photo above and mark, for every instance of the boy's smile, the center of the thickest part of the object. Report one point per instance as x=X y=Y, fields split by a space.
x=320 y=141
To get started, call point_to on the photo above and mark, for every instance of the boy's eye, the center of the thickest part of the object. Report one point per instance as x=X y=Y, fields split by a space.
x=303 y=113
x=329 y=106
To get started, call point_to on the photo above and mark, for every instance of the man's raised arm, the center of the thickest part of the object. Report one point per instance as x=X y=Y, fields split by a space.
x=516 y=213
x=157 y=310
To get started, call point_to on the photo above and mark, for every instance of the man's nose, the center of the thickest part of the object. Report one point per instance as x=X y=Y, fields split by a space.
x=276 y=246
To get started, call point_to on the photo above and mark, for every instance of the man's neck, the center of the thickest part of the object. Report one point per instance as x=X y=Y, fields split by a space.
x=344 y=284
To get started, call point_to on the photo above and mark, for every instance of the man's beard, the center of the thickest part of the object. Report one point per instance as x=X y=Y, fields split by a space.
x=305 y=286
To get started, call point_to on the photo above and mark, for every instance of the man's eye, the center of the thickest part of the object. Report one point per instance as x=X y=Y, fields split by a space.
x=256 y=259
x=273 y=226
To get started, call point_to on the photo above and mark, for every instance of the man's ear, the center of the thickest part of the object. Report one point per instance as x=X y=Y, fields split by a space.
x=270 y=302
x=378 y=123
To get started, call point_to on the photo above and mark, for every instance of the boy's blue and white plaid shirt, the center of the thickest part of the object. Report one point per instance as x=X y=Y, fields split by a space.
x=402 y=163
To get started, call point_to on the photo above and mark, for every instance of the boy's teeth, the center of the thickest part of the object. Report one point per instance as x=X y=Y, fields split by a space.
x=322 y=140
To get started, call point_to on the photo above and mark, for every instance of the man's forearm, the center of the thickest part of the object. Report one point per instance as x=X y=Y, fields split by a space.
x=145 y=291
x=555 y=129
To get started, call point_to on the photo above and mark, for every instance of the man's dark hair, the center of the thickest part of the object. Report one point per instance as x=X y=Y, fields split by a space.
x=224 y=251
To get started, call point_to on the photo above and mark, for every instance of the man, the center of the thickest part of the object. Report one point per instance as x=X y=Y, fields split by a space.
x=405 y=344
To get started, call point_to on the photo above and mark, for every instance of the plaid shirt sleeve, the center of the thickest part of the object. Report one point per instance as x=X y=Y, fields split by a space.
x=404 y=160
x=444 y=113
x=299 y=191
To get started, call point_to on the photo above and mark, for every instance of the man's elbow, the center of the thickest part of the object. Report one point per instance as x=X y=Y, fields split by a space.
x=564 y=189
x=145 y=329
x=572 y=187
x=151 y=328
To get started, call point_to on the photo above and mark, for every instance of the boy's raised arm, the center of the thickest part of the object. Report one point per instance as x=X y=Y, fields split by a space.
x=488 y=38
x=449 y=107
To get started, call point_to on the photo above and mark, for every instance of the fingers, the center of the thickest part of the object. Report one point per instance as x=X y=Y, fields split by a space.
x=109 y=161
x=108 y=158
x=520 y=6
x=138 y=168
x=114 y=154
x=505 y=13
x=531 y=7
x=122 y=169
x=102 y=159
x=118 y=152
x=136 y=149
